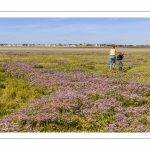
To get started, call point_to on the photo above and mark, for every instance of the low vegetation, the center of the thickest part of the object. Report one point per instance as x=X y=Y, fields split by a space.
x=73 y=92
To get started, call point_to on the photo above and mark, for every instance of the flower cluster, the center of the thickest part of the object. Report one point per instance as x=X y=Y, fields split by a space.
x=80 y=97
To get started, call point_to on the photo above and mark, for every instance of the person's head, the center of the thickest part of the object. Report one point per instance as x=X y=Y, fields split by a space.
x=113 y=46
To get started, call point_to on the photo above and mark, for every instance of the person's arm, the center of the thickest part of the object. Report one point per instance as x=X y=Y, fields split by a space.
x=118 y=52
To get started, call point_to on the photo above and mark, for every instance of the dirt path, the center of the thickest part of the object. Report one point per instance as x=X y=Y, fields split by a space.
x=68 y=49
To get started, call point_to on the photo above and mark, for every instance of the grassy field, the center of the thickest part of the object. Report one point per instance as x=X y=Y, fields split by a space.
x=73 y=90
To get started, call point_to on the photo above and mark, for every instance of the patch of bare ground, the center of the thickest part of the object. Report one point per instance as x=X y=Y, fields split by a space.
x=68 y=49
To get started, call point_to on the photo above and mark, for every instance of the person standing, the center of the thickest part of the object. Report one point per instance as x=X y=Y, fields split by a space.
x=119 y=59
x=112 y=57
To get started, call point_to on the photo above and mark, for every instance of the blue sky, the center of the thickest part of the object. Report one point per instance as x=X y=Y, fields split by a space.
x=134 y=31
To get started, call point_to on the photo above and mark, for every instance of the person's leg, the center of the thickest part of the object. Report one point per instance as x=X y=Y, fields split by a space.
x=111 y=62
x=114 y=61
x=120 y=64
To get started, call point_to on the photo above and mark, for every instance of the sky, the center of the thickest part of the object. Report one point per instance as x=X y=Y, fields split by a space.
x=126 y=31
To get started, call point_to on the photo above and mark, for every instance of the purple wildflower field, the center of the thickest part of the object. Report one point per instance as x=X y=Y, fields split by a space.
x=81 y=102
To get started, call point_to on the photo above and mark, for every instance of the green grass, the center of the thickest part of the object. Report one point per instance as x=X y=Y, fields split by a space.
x=16 y=93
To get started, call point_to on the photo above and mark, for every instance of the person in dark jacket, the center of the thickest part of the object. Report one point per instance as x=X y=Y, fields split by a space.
x=119 y=59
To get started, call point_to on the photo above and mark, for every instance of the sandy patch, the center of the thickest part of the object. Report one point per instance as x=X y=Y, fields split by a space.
x=68 y=49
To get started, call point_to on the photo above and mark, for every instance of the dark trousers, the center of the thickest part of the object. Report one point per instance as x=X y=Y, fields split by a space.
x=120 y=64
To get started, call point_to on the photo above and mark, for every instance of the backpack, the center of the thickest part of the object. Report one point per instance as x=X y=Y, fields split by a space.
x=120 y=56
